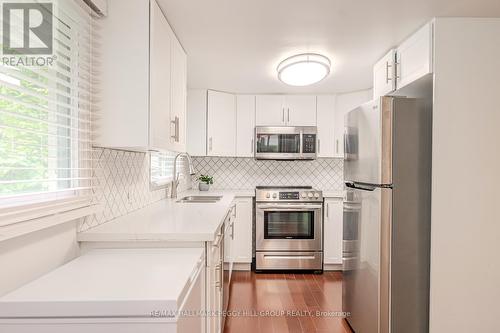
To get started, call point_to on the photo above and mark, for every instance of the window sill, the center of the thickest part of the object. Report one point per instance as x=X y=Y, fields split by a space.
x=44 y=222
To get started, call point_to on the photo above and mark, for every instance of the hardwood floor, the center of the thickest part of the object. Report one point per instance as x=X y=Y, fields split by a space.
x=253 y=293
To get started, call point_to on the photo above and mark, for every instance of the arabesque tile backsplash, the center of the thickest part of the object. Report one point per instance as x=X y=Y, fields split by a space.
x=121 y=184
x=246 y=173
x=121 y=178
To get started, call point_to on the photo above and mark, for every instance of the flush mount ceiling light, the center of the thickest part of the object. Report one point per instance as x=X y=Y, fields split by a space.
x=303 y=69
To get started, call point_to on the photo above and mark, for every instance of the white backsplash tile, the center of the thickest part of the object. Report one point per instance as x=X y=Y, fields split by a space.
x=121 y=184
x=121 y=178
x=247 y=173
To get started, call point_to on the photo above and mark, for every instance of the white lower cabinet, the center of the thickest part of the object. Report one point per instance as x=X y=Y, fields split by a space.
x=332 y=227
x=191 y=319
x=214 y=301
x=242 y=244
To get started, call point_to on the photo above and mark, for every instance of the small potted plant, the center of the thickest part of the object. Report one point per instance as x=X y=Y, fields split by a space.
x=205 y=181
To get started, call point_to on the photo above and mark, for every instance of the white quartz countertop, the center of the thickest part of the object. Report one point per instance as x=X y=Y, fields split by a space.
x=168 y=220
x=108 y=283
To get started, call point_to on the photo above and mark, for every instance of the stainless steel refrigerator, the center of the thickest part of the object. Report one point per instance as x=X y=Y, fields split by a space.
x=386 y=234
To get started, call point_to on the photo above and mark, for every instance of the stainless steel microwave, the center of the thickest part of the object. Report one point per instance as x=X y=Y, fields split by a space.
x=285 y=143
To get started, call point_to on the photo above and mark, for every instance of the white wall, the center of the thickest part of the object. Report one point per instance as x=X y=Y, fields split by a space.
x=465 y=245
x=27 y=257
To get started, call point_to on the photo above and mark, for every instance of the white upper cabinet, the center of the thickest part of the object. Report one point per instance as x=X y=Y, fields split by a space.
x=300 y=110
x=245 y=125
x=407 y=63
x=414 y=56
x=221 y=124
x=326 y=125
x=285 y=110
x=197 y=122
x=143 y=90
x=179 y=96
x=384 y=75
x=333 y=231
x=270 y=110
x=160 y=89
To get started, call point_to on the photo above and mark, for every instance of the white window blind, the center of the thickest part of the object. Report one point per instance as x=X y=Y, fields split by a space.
x=162 y=168
x=45 y=121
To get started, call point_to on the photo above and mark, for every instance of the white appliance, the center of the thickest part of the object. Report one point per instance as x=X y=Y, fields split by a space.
x=386 y=246
x=107 y=291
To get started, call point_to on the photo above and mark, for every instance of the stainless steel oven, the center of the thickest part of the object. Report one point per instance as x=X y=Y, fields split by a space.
x=289 y=228
x=285 y=143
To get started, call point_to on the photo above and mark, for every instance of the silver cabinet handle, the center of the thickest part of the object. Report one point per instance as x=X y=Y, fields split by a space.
x=337 y=146
x=175 y=135
x=218 y=269
x=387 y=66
x=283 y=115
x=397 y=68
x=319 y=145
x=327 y=210
x=288 y=114
x=210 y=144
x=251 y=148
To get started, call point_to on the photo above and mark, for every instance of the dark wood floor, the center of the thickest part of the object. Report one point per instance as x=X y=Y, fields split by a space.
x=296 y=292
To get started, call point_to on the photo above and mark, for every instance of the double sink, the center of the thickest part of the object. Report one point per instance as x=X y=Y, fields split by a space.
x=200 y=199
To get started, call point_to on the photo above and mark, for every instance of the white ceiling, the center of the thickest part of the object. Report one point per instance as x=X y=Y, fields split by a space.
x=235 y=45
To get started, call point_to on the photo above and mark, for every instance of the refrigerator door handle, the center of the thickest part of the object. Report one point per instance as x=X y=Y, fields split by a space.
x=360 y=187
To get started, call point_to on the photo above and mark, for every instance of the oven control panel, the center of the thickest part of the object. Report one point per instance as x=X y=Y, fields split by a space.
x=289 y=195
x=309 y=195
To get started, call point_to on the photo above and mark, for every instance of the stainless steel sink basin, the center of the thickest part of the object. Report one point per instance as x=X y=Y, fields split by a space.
x=200 y=199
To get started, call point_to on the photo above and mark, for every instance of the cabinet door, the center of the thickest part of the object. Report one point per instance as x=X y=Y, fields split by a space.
x=242 y=249
x=179 y=88
x=214 y=287
x=333 y=231
x=384 y=75
x=160 y=88
x=196 y=122
x=245 y=125
x=326 y=125
x=194 y=303
x=343 y=104
x=300 y=110
x=269 y=110
x=221 y=124
x=414 y=56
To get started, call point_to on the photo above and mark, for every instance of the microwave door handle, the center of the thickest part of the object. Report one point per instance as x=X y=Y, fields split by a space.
x=301 y=142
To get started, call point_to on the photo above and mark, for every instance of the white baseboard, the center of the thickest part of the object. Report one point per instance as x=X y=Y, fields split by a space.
x=332 y=267
x=242 y=266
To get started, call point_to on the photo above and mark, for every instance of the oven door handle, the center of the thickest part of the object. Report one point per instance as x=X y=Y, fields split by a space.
x=301 y=207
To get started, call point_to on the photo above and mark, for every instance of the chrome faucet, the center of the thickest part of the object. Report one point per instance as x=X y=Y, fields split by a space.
x=175 y=182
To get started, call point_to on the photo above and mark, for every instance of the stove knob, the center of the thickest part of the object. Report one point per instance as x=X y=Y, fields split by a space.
x=316 y=195
x=303 y=194
x=274 y=195
x=310 y=195
x=268 y=195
